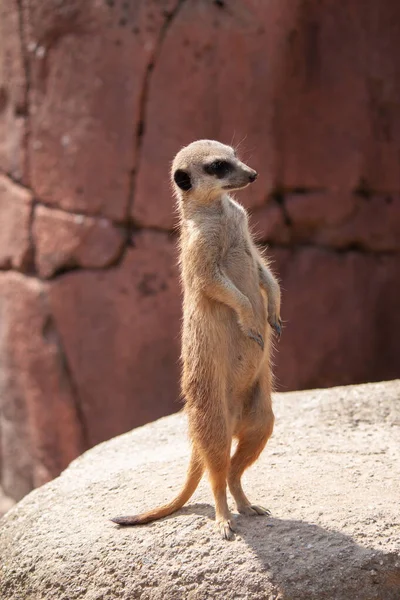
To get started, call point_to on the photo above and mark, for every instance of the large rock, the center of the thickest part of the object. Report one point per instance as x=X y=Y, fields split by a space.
x=120 y=331
x=40 y=422
x=344 y=221
x=270 y=224
x=330 y=475
x=308 y=90
x=336 y=117
x=85 y=356
x=230 y=68
x=13 y=91
x=88 y=64
x=64 y=241
x=15 y=218
x=339 y=313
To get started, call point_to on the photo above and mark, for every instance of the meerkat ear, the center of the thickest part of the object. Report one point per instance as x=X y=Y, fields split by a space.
x=182 y=180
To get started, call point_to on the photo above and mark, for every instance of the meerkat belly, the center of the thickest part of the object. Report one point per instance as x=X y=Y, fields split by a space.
x=246 y=357
x=241 y=268
x=214 y=346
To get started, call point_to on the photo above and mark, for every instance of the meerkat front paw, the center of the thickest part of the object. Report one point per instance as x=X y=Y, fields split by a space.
x=257 y=337
x=274 y=318
x=276 y=324
x=247 y=324
x=253 y=334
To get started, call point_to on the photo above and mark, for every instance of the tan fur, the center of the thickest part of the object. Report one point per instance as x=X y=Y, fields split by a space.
x=230 y=297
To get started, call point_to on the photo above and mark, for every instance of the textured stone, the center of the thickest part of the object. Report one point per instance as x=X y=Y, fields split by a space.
x=269 y=225
x=13 y=107
x=298 y=84
x=381 y=166
x=311 y=212
x=229 y=60
x=15 y=212
x=338 y=118
x=65 y=241
x=120 y=330
x=339 y=312
x=343 y=220
x=330 y=475
x=40 y=428
x=373 y=226
x=322 y=114
x=88 y=63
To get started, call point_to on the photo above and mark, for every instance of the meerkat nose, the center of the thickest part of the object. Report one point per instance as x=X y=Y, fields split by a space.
x=253 y=176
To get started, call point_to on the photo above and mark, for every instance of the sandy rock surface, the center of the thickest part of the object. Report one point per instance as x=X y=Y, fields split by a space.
x=330 y=476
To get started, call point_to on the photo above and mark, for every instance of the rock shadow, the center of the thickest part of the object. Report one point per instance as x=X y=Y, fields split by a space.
x=305 y=561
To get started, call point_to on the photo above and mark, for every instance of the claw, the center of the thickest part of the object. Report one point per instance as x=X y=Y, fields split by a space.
x=253 y=509
x=257 y=337
x=278 y=329
x=276 y=326
x=226 y=530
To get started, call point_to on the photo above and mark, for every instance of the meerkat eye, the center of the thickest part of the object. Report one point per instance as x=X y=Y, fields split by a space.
x=219 y=168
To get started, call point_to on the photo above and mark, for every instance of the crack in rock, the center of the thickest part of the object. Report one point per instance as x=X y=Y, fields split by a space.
x=65 y=366
x=25 y=110
x=141 y=128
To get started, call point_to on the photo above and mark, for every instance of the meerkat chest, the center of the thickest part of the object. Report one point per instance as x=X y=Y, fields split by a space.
x=236 y=232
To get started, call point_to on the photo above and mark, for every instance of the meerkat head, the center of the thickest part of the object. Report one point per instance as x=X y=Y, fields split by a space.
x=205 y=169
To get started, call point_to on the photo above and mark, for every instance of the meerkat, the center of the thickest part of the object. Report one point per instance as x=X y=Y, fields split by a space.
x=231 y=301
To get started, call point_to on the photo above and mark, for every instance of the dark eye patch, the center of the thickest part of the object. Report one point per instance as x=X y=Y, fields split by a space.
x=219 y=168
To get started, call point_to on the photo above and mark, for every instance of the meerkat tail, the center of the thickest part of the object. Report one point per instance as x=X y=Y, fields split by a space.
x=194 y=475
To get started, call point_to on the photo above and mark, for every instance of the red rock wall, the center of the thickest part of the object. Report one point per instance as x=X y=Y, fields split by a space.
x=96 y=97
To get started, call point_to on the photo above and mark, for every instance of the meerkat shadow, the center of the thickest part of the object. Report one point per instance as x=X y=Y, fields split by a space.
x=198 y=508
x=304 y=557
x=320 y=562
x=306 y=561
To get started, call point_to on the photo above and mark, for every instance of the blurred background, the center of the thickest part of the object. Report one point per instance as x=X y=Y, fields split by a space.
x=96 y=98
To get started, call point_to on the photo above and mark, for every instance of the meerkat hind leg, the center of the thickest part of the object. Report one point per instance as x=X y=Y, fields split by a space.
x=249 y=448
x=252 y=439
x=223 y=515
x=215 y=450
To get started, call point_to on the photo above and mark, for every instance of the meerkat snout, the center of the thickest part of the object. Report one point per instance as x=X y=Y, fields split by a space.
x=253 y=176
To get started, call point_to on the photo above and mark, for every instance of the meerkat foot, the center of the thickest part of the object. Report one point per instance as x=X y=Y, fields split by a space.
x=276 y=324
x=251 y=510
x=257 y=337
x=226 y=529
